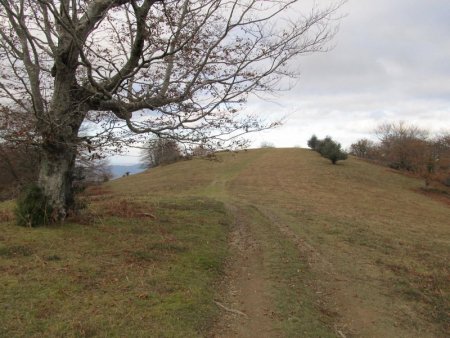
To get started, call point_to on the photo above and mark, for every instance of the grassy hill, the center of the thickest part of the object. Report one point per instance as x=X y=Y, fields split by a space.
x=270 y=242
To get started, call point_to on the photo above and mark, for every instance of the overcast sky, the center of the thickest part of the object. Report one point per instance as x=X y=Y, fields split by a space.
x=390 y=62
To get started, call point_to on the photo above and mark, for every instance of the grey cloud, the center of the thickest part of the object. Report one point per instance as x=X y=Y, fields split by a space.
x=391 y=62
x=382 y=44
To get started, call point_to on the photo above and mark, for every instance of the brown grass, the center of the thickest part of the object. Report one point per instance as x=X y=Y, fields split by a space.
x=374 y=252
x=440 y=195
x=6 y=216
x=124 y=208
x=354 y=216
x=96 y=190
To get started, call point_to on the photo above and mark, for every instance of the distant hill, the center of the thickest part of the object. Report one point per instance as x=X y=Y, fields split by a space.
x=120 y=170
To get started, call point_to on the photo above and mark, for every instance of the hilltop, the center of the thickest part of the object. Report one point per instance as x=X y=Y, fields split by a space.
x=268 y=242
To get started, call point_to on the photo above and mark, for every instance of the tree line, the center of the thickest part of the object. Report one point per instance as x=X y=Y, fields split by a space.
x=408 y=148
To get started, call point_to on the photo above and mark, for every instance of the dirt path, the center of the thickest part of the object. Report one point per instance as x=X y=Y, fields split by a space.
x=245 y=300
x=322 y=251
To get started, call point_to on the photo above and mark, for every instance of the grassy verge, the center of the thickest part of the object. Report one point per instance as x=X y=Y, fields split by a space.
x=139 y=270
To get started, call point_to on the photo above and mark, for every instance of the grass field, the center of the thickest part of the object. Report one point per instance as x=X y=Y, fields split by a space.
x=346 y=250
x=117 y=272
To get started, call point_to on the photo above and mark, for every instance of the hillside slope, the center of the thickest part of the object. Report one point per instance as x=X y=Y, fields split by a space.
x=270 y=242
x=376 y=248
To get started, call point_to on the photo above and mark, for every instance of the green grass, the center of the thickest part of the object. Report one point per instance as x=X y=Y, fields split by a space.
x=115 y=276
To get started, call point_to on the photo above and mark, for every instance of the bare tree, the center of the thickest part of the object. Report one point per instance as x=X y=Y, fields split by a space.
x=403 y=146
x=177 y=69
x=160 y=151
x=202 y=150
x=363 y=148
x=438 y=168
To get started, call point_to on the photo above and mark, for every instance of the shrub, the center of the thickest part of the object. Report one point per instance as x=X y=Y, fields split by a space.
x=32 y=208
x=332 y=150
x=321 y=143
x=328 y=148
x=313 y=142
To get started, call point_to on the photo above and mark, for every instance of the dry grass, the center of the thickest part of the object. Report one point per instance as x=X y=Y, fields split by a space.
x=96 y=190
x=124 y=208
x=6 y=216
x=372 y=252
x=361 y=220
x=439 y=194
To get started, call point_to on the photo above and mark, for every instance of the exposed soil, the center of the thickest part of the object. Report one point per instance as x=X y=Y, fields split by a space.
x=245 y=302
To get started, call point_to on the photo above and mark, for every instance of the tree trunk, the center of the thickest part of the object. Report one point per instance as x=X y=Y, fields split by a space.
x=59 y=150
x=59 y=131
x=56 y=176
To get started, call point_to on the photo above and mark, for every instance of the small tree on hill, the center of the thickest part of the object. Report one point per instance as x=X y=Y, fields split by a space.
x=438 y=166
x=330 y=149
x=313 y=142
x=321 y=143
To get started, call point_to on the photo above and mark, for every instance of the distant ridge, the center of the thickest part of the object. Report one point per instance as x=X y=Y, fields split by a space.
x=120 y=170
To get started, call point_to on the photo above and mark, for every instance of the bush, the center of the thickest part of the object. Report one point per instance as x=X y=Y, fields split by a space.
x=332 y=150
x=32 y=208
x=202 y=151
x=313 y=142
x=328 y=148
